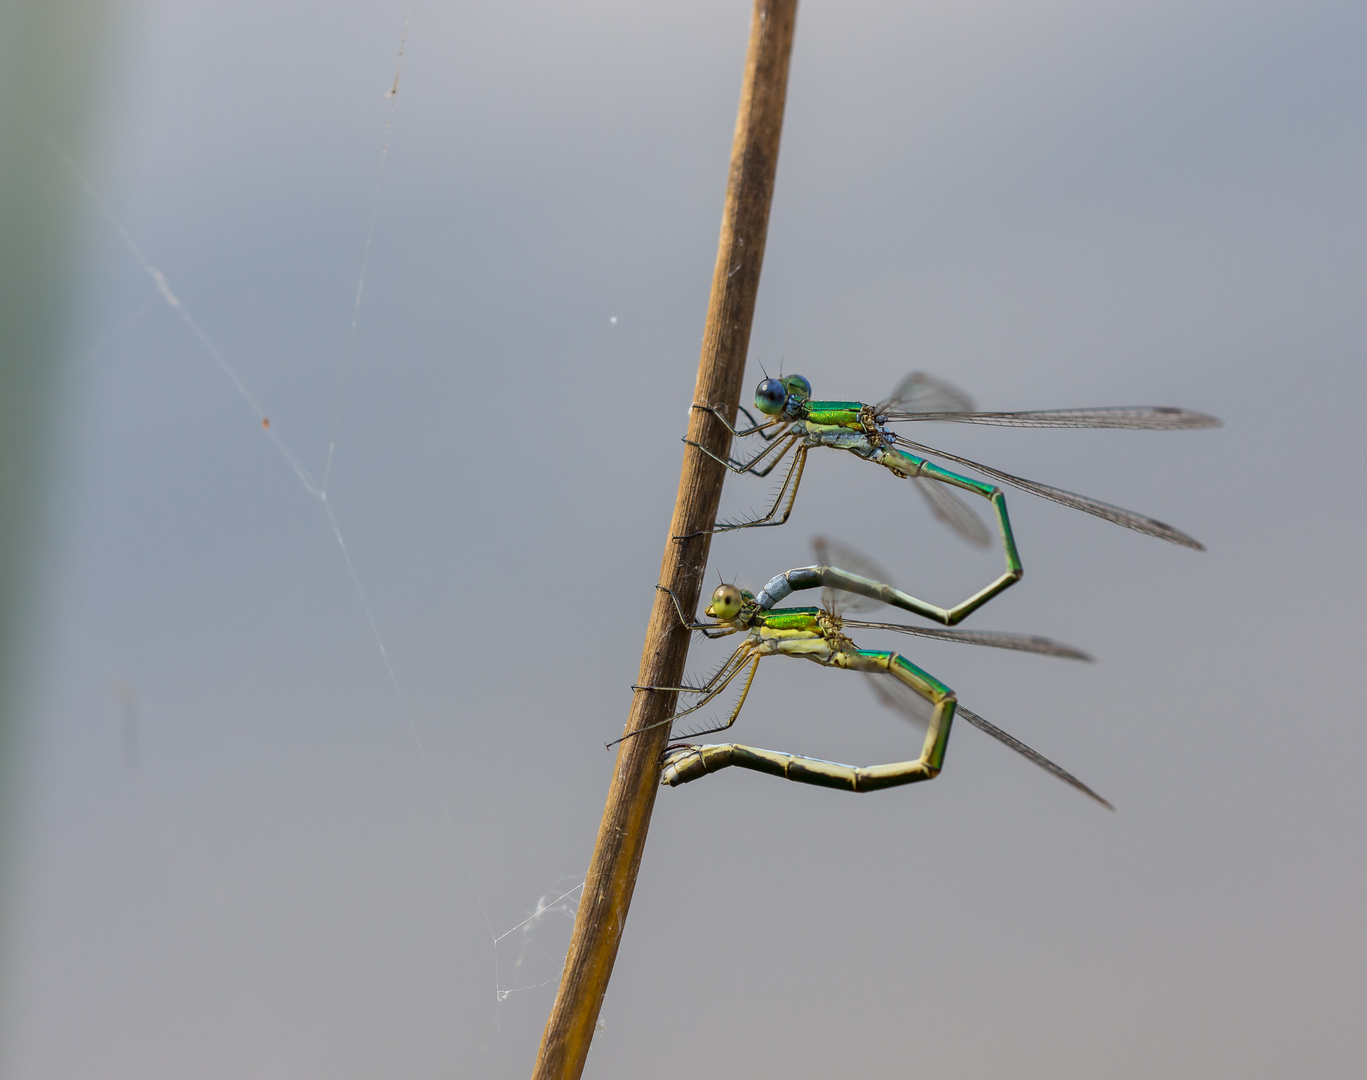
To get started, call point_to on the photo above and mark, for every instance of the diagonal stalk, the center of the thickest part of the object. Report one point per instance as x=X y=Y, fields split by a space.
x=726 y=336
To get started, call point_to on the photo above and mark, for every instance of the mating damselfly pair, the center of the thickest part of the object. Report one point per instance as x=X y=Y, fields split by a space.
x=795 y=424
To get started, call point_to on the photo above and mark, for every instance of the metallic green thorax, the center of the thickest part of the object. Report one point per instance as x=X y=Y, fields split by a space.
x=832 y=413
x=802 y=619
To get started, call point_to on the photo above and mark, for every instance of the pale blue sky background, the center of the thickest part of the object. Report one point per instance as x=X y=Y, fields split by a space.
x=1052 y=205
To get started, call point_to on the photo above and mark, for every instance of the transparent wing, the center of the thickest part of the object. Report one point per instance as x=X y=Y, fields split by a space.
x=1120 y=516
x=922 y=393
x=833 y=553
x=1152 y=418
x=995 y=639
x=901 y=698
x=1025 y=751
x=952 y=511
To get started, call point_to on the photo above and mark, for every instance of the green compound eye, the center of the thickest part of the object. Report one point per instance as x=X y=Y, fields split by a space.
x=770 y=396
x=798 y=387
x=726 y=603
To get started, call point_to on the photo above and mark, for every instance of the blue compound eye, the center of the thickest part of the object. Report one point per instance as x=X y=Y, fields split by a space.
x=798 y=387
x=770 y=396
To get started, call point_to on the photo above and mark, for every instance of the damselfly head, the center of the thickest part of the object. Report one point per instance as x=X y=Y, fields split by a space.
x=727 y=600
x=770 y=396
x=798 y=387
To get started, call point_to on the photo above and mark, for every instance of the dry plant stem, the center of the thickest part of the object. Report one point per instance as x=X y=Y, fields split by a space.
x=636 y=778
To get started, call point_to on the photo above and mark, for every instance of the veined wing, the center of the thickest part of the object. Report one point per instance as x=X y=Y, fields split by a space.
x=900 y=697
x=833 y=553
x=1025 y=751
x=922 y=393
x=952 y=511
x=1152 y=418
x=996 y=639
x=1119 y=515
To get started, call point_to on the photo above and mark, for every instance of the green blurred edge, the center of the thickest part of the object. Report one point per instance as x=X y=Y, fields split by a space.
x=50 y=71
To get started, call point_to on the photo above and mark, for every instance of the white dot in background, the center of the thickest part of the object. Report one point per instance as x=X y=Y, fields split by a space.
x=612 y=319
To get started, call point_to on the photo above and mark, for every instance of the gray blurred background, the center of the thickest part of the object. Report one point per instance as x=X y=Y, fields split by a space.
x=272 y=816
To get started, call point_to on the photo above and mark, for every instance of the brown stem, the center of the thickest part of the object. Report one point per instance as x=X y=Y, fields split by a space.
x=726 y=337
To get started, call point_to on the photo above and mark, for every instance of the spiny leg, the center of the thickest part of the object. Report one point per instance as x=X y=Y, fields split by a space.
x=735 y=712
x=786 y=496
x=778 y=449
x=780 y=423
x=732 y=666
x=723 y=678
x=755 y=428
x=689 y=762
x=764 y=470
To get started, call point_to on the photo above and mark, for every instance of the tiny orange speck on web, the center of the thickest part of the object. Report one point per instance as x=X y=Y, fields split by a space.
x=265 y=423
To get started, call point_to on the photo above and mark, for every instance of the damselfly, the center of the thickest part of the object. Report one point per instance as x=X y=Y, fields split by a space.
x=796 y=424
x=818 y=635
